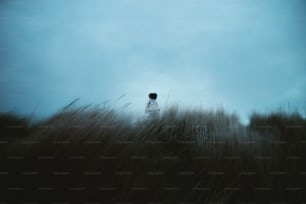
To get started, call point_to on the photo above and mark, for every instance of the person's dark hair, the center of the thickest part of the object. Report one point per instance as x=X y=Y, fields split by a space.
x=153 y=95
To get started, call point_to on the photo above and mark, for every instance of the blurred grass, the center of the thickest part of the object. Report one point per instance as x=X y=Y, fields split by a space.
x=89 y=154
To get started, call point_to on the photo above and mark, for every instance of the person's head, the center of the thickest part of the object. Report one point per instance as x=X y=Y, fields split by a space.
x=153 y=96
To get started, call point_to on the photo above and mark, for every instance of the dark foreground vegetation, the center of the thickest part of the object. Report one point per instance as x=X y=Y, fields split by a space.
x=92 y=155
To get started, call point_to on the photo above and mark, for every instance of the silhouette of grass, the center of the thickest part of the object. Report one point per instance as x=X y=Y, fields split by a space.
x=89 y=154
x=12 y=125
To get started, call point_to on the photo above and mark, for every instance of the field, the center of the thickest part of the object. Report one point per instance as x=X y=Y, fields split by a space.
x=94 y=155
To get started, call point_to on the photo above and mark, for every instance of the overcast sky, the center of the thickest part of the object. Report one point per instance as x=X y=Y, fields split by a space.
x=242 y=55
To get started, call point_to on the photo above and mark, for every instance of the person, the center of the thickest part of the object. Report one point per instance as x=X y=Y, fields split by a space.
x=152 y=108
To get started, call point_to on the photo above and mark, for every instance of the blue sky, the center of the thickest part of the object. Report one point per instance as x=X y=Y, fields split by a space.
x=241 y=55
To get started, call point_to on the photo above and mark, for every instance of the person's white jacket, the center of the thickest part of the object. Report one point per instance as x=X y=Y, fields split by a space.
x=152 y=109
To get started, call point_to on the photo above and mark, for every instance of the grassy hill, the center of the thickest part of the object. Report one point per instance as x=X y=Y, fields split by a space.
x=93 y=155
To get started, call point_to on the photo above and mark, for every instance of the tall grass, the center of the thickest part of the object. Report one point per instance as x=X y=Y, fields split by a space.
x=89 y=154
